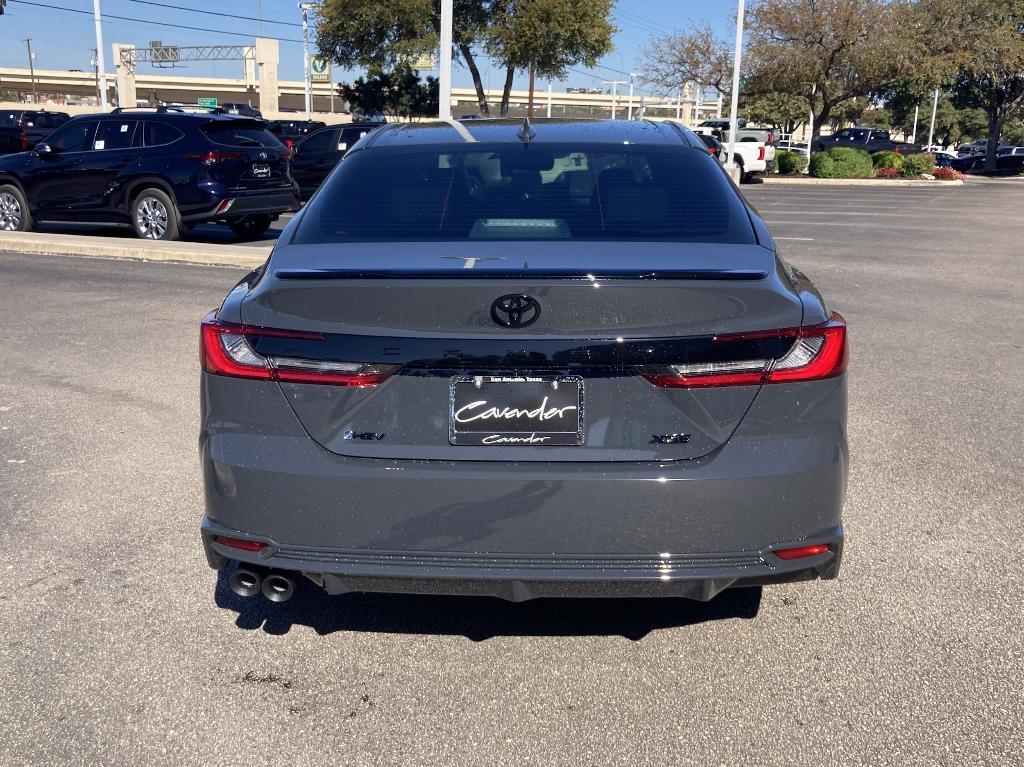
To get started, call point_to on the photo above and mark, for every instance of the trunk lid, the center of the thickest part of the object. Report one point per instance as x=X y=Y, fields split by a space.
x=247 y=156
x=430 y=312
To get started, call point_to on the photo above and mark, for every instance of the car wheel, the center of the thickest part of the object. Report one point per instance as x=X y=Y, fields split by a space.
x=250 y=227
x=154 y=216
x=14 y=215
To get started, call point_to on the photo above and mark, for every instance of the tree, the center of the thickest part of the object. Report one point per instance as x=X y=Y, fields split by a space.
x=783 y=111
x=830 y=51
x=981 y=42
x=400 y=93
x=382 y=35
x=385 y=35
x=547 y=37
x=696 y=56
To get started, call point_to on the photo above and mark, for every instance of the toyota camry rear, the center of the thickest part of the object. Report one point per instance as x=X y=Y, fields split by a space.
x=558 y=359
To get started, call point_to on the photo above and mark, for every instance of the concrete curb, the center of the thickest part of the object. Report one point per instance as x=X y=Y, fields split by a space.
x=889 y=182
x=245 y=257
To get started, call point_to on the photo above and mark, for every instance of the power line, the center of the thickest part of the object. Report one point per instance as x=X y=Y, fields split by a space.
x=215 y=13
x=150 y=22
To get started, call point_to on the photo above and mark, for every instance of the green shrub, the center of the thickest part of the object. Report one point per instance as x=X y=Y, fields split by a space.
x=887 y=160
x=791 y=163
x=916 y=164
x=842 y=162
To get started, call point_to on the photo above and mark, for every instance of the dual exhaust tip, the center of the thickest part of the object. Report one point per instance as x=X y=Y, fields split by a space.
x=248 y=581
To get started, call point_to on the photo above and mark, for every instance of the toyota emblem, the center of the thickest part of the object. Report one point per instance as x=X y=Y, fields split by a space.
x=515 y=311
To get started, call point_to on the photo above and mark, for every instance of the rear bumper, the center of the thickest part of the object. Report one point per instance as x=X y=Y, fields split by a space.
x=687 y=528
x=243 y=203
x=521 y=577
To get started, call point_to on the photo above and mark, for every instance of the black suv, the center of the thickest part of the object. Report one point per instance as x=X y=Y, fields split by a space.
x=317 y=154
x=158 y=172
x=22 y=129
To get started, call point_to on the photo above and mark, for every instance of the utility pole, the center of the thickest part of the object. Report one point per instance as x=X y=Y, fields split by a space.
x=444 y=95
x=631 y=76
x=31 y=70
x=306 y=8
x=259 y=11
x=615 y=95
x=96 y=71
x=935 y=107
x=735 y=106
x=100 y=64
x=679 y=104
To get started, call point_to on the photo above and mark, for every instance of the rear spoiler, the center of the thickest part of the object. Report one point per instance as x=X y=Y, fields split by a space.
x=495 y=274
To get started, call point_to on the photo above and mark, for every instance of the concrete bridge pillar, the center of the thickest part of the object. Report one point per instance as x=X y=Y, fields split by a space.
x=267 y=57
x=125 y=76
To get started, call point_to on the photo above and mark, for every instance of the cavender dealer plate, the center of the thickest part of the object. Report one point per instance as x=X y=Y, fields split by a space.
x=509 y=410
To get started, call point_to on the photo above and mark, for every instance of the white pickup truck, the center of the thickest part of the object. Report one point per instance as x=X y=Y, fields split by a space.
x=755 y=148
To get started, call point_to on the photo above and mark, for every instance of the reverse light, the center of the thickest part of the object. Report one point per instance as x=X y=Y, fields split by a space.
x=818 y=352
x=225 y=350
x=802 y=551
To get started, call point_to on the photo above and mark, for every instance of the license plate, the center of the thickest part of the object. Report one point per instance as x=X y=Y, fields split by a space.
x=261 y=171
x=516 y=410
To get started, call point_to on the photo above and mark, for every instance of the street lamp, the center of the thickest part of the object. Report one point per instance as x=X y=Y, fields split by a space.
x=629 y=114
x=306 y=8
x=444 y=86
x=736 y=82
x=101 y=69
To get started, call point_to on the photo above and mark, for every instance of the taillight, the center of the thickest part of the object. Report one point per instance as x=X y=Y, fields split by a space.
x=210 y=158
x=225 y=350
x=760 y=152
x=771 y=139
x=241 y=543
x=818 y=352
x=802 y=551
x=24 y=141
x=289 y=143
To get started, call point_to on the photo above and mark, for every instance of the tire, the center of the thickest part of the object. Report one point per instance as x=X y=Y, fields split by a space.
x=250 y=227
x=154 y=216
x=14 y=212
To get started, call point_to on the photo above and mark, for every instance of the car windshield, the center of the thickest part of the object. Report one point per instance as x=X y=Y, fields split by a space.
x=527 y=192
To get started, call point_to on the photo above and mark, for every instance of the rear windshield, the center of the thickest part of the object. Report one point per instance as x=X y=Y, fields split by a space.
x=520 y=192
x=241 y=133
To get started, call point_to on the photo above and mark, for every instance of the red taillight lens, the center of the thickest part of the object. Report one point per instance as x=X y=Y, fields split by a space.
x=225 y=350
x=24 y=141
x=211 y=158
x=289 y=143
x=241 y=543
x=771 y=139
x=803 y=551
x=818 y=352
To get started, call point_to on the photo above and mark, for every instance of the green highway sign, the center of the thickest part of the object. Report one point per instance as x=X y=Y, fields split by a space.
x=205 y=101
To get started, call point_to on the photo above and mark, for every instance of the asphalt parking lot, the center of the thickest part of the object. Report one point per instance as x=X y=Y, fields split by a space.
x=119 y=646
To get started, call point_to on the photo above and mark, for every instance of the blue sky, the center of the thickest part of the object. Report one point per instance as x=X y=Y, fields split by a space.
x=63 y=40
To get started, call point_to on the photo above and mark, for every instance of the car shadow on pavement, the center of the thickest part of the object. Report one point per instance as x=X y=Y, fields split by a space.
x=479 y=618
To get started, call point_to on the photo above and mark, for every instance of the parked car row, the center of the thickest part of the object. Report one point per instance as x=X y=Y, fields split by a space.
x=22 y=129
x=163 y=171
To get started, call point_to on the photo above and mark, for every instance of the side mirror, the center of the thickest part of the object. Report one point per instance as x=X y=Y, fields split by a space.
x=44 y=150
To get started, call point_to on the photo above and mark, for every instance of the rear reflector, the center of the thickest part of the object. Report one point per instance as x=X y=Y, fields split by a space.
x=818 y=352
x=240 y=543
x=803 y=551
x=225 y=350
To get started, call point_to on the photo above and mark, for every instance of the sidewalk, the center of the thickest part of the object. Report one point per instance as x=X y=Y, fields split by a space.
x=242 y=256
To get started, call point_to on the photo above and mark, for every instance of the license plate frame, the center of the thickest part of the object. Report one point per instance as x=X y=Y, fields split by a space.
x=260 y=170
x=520 y=392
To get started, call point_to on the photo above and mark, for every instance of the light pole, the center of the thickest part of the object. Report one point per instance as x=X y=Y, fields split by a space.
x=101 y=69
x=935 y=107
x=629 y=114
x=550 y=85
x=913 y=135
x=735 y=105
x=306 y=8
x=32 y=69
x=615 y=95
x=444 y=87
